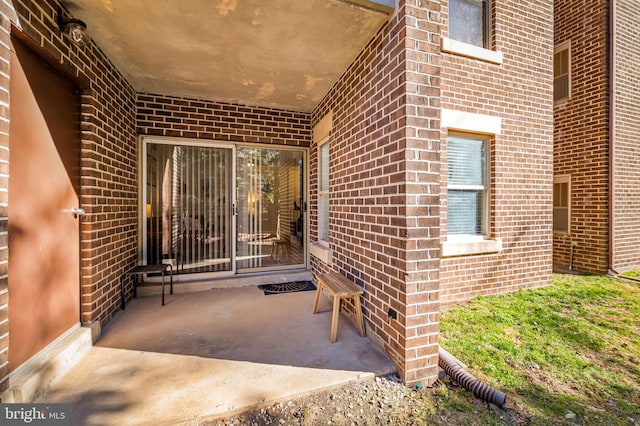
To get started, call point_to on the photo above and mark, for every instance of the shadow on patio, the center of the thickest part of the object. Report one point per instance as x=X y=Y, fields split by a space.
x=212 y=353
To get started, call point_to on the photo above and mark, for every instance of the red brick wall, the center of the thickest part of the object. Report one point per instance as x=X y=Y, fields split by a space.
x=627 y=129
x=385 y=175
x=108 y=182
x=7 y=14
x=384 y=184
x=188 y=118
x=520 y=92
x=581 y=135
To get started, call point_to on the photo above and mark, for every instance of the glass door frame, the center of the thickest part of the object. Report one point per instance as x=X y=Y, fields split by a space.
x=145 y=140
x=304 y=210
x=142 y=224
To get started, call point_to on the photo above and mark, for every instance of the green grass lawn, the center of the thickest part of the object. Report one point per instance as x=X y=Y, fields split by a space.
x=564 y=354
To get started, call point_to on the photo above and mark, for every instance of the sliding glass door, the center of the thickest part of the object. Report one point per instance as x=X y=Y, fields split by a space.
x=270 y=199
x=189 y=206
x=217 y=208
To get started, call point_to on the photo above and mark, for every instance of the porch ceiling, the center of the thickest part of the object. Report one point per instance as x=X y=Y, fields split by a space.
x=275 y=53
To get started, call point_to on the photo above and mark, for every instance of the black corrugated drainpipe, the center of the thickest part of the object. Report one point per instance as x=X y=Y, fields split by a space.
x=612 y=130
x=456 y=371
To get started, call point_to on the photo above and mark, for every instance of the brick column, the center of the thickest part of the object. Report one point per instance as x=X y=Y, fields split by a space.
x=422 y=200
x=6 y=13
x=626 y=186
x=385 y=185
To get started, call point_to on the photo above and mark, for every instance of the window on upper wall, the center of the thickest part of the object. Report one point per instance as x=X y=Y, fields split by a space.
x=323 y=191
x=562 y=203
x=469 y=22
x=467 y=186
x=562 y=72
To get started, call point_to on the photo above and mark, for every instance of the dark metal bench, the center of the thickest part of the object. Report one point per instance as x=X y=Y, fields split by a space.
x=146 y=269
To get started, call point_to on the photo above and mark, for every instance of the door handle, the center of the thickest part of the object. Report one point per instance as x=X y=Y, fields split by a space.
x=76 y=211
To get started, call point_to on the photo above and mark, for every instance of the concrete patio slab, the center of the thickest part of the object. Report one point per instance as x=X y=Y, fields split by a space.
x=211 y=354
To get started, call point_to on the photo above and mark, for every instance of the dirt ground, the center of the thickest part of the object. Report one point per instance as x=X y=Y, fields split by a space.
x=383 y=401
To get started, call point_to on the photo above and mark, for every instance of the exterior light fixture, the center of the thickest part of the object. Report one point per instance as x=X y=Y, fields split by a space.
x=74 y=29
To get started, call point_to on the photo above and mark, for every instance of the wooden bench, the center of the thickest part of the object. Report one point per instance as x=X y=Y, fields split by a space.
x=283 y=245
x=340 y=288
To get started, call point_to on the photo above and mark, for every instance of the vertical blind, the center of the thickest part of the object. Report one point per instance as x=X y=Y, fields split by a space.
x=188 y=207
x=466 y=188
x=189 y=210
x=269 y=194
x=250 y=207
x=323 y=193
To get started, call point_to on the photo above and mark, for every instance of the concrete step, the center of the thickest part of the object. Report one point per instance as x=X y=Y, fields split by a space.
x=34 y=378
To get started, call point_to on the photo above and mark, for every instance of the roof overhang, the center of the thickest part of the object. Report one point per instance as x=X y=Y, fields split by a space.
x=276 y=53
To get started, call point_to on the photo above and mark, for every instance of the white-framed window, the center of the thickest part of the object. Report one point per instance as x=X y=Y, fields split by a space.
x=562 y=72
x=470 y=22
x=467 y=187
x=323 y=191
x=562 y=203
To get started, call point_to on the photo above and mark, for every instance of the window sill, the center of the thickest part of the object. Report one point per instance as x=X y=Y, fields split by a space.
x=471 y=247
x=471 y=51
x=561 y=101
x=322 y=252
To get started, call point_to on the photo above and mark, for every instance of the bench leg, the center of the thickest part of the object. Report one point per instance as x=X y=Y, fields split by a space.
x=162 y=288
x=315 y=303
x=334 y=319
x=359 y=318
x=122 y=291
x=171 y=278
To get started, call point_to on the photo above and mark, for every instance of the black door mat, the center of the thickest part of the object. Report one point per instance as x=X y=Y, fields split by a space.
x=283 y=288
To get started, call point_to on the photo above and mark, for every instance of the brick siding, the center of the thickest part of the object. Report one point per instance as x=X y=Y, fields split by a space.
x=108 y=160
x=384 y=225
x=175 y=117
x=7 y=14
x=388 y=189
x=190 y=118
x=520 y=92
x=581 y=135
x=582 y=139
x=627 y=129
